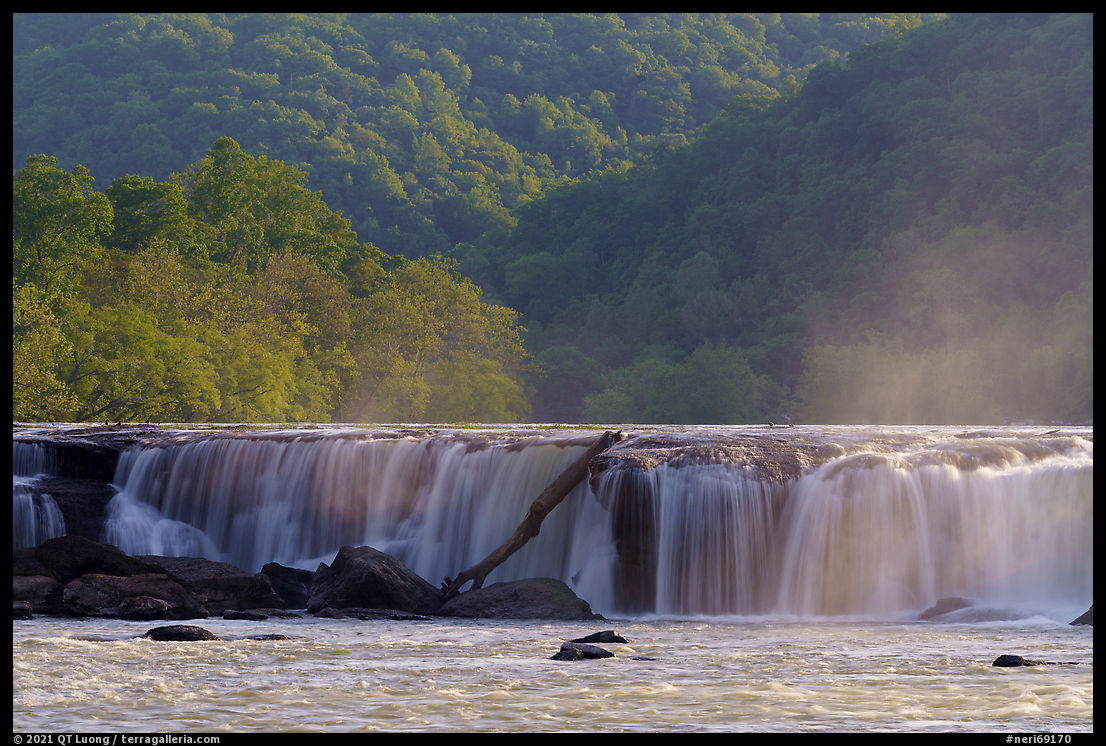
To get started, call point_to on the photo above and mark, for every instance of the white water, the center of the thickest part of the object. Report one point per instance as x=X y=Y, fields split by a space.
x=756 y=675
x=35 y=515
x=880 y=532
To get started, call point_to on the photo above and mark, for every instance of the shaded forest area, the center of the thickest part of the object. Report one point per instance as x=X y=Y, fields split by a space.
x=696 y=218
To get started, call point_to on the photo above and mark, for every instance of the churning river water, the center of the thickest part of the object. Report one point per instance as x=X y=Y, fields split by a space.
x=690 y=675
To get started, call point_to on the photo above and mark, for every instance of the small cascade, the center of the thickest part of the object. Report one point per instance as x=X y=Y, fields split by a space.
x=35 y=515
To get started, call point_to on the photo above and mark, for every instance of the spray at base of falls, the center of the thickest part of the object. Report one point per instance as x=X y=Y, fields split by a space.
x=879 y=524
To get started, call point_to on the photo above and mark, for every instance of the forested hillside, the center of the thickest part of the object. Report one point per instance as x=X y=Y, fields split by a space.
x=909 y=239
x=645 y=218
x=422 y=130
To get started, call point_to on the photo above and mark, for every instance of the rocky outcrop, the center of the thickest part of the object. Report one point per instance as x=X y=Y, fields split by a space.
x=219 y=586
x=1087 y=617
x=74 y=576
x=533 y=598
x=362 y=577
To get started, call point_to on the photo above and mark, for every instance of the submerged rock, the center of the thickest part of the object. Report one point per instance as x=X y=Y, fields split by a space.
x=362 y=577
x=258 y=615
x=392 y=615
x=1012 y=661
x=944 y=606
x=1087 y=617
x=578 y=651
x=179 y=633
x=532 y=598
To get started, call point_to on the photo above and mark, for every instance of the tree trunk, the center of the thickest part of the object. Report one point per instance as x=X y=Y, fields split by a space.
x=531 y=524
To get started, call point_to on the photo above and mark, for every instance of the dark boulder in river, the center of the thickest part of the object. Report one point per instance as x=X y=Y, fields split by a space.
x=1087 y=617
x=578 y=651
x=362 y=577
x=180 y=633
x=606 y=636
x=532 y=598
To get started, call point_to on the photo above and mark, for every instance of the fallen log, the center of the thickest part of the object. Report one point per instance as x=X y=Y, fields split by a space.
x=531 y=524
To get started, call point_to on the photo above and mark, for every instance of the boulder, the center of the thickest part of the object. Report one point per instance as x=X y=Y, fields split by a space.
x=42 y=593
x=69 y=557
x=362 y=577
x=578 y=651
x=1087 y=617
x=219 y=586
x=179 y=633
x=24 y=562
x=146 y=596
x=607 y=636
x=532 y=598
x=944 y=606
x=290 y=583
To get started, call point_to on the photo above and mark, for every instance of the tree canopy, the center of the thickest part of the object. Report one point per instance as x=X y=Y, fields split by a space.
x=232 y=293
x=636 y=217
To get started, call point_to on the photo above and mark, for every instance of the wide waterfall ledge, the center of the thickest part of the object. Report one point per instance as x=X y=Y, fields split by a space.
x=803 y=522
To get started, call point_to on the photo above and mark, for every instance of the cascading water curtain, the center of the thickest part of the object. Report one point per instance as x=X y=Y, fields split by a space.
x=438 y=504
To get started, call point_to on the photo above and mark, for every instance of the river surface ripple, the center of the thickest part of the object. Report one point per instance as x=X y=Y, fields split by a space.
x=756 y=675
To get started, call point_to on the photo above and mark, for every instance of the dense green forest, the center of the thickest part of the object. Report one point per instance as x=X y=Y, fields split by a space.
x=909 y=239
x=696 y=218
x=423 y=130
x=231 y=292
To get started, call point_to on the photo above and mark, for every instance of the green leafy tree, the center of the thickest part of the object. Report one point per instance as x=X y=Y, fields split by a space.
x=58 y=223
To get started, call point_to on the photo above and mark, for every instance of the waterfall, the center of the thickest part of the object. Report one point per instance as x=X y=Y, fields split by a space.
x=438 y=504
x=35 y=515
x=872 y=524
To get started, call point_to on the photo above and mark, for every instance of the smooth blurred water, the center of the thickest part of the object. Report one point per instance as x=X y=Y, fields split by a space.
x=754 y=675
x=886 y=520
